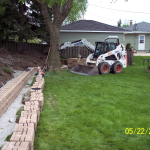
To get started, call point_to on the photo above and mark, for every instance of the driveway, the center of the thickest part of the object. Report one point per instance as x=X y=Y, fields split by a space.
x=141 y=54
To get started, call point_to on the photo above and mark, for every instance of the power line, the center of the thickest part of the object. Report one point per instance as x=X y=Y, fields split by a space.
x=120 y=10
x=101 y=17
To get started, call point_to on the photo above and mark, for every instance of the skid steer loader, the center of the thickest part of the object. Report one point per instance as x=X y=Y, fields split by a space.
x=106 y=56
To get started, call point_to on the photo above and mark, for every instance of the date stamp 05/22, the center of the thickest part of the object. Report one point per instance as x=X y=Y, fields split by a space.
x=137 y=130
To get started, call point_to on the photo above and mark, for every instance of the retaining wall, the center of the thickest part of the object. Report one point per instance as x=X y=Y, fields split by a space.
x=10 y=92
x=24 y=132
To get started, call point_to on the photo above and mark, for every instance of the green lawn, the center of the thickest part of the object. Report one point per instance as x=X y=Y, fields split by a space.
x=92 y=112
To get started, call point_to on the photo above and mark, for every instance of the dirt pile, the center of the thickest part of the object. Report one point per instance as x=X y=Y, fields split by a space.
x=18 y=61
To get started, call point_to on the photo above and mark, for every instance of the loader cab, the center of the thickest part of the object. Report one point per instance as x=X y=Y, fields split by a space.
x=103 y=47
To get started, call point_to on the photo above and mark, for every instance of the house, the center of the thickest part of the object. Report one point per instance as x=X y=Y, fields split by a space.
x=139 y=36
x=91 y=30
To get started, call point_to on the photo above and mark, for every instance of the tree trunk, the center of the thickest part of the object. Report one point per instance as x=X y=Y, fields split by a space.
x=54 y=26
x=55 y=52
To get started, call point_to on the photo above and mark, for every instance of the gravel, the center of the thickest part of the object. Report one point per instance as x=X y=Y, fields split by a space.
x=7 y=120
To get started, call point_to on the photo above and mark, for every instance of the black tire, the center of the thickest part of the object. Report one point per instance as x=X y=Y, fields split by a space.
x=117 y=67
x=103 y=68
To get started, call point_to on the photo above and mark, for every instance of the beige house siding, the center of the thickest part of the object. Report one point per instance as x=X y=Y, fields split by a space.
x=92 y=37
x=134 y=40
x=147 y=42
x=131 y=38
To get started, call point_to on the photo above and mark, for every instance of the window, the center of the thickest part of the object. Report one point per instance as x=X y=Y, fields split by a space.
x=141 y=39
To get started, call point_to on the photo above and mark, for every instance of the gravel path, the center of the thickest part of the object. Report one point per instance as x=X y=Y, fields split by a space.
x=6 y=128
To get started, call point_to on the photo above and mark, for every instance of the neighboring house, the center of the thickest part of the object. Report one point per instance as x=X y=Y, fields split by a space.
x=91 y=30
x=139 y=36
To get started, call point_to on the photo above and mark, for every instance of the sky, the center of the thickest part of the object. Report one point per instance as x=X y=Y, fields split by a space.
x=111 y=11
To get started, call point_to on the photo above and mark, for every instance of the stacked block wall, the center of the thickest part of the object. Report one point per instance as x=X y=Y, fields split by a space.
x=24 y=132
x=10 y=92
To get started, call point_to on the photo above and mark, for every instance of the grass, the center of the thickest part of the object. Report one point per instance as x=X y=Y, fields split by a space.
x=34 y=79
x=7 y=70
x=8 y=137
x=92 y=112
x=19 y=112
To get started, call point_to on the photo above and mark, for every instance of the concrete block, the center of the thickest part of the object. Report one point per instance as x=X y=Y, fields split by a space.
x=24 y=127
x=24 y=137
x=16 y=146
x=36 y=103
x=39 y=99
x=31 y=112
x=29 y=119
x=31 y=107
x=33 y=94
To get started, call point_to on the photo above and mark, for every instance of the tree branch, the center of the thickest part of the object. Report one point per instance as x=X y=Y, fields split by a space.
x=65 y=9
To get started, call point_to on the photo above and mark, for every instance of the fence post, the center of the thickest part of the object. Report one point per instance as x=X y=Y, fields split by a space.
x=130 y=57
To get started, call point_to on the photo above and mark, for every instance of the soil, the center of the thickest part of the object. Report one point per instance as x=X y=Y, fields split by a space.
x=18 y=61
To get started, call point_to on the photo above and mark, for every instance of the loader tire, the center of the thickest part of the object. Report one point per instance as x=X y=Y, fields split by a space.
x=104 y=68
x=117 y=67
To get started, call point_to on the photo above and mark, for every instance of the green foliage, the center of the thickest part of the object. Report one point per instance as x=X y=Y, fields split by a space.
x=9 y=22
x=62 y=57
x=36 y=40
x=8 y=137
x=17 y=26
x=24 y=57
x=7 y=70
x=129 y=47
x=34 y=79
x=19 y=112
x=125 y=25
x=92 y=112
x=38 y=23
x=79 y=8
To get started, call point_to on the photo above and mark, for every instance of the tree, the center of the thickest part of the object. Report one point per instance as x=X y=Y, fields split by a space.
x=61 y=10
x=9 y=23
x=124 y=25
x=37 y=21
x=119 y=23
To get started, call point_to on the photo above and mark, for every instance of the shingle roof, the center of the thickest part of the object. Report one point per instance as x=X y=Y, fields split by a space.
x=142 y=26
x=90 y=25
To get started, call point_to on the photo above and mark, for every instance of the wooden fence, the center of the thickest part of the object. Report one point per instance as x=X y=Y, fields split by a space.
x=72 y=52
x=15 y=46
x=69 y=52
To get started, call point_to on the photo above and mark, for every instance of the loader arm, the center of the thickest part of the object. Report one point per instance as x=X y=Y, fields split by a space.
x=83 y=41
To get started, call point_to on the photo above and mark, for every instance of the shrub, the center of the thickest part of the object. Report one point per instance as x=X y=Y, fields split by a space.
x=63 y=57
x=7 y=70
x=129 y=47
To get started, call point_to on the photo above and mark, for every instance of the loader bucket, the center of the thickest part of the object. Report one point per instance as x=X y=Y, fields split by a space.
x=85 y=70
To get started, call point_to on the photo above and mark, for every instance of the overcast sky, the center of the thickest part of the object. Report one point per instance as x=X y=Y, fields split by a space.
x=106 y=12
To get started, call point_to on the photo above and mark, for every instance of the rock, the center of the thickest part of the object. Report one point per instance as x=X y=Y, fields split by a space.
x=64 y=67
x=11 y=120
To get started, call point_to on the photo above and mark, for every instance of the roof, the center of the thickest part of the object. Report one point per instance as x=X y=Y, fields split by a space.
x=142 y=26
x=90 y=25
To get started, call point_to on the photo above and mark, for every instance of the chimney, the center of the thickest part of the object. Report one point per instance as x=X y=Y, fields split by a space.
x=130 y=22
